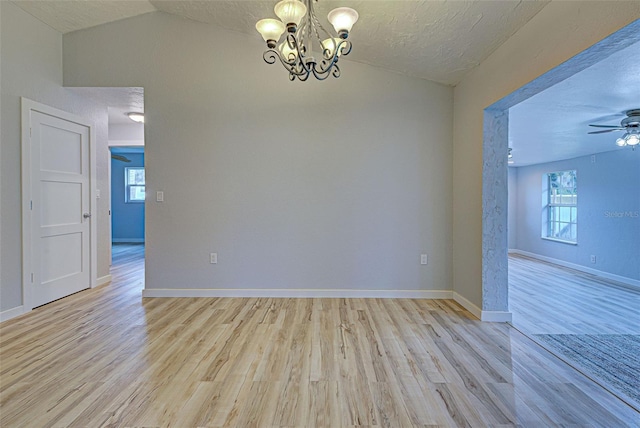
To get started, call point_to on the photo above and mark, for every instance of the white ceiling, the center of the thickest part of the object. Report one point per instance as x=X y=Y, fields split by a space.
x=119 y=100
x=553 y=124
x=434 y=39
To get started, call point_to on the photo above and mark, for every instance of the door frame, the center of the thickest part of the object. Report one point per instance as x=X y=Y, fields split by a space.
x=27 y=106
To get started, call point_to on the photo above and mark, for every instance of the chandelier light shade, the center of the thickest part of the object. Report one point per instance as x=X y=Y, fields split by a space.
x=290 y=12
x=304 y=35
x=271 y=30
x=342 y=19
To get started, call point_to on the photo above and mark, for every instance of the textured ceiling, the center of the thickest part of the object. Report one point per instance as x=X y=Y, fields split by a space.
x=120 y=101
x=553 y=124
x=70 y=15
x=433 y=40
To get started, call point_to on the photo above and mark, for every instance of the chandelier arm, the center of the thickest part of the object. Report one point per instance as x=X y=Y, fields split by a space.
x=322 y=75
x=270 y=57
x=344 y=47
x=294 y=46
x=299 y=37
x=336 y=71
x=303 y=77
x=328 y=64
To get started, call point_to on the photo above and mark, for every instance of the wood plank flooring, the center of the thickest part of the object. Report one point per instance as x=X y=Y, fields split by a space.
x=107 y=357
x=550 y=299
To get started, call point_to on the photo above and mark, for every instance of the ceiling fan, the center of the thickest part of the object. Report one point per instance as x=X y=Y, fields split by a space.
x=630 y=124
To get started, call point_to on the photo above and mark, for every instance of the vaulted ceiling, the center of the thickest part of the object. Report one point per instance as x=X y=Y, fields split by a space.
x=434 y=40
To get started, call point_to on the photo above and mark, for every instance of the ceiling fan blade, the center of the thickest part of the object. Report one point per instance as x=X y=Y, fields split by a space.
x=606 y=126
x=605 y=130
x=120 y=158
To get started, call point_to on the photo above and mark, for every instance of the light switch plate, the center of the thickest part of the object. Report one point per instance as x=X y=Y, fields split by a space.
x=159 y=196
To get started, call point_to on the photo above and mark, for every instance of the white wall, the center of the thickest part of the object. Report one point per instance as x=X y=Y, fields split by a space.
x=608 y=212
x=32 y=68
x=129 y=134
x=560 y=31
x=340 y=184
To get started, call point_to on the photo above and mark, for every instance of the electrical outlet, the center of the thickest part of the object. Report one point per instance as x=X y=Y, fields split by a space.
x=213 y=257
x=593 y=259
x=424 y=259
x=593 y=158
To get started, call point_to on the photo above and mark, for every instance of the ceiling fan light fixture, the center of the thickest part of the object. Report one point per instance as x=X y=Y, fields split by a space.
x=631 y=126
x=633 y=139
x=136 y=116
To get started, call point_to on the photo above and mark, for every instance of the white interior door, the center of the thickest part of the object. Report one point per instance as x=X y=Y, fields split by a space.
x=60 y=208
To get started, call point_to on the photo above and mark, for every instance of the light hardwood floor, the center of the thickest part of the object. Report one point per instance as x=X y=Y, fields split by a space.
x=550 y=299
x=107 y=357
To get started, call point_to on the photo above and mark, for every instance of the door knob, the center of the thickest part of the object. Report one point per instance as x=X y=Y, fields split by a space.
x=86 y=215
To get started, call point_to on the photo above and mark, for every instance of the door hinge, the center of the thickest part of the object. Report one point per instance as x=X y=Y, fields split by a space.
x=31 y=205
x=30 y=132
x=31 y=277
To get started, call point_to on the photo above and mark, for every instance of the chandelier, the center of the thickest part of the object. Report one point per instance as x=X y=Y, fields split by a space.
x=304 y=34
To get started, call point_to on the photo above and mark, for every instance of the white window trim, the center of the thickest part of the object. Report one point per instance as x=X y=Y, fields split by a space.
x=127 y=186
x=546 y=203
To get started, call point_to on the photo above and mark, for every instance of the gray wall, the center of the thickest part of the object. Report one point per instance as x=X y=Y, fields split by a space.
x=32 y=68
x=512 y=226
x=608 y=212
x=127 y=219
x=340 y=184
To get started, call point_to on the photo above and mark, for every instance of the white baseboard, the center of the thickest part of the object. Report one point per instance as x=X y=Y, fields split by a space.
x=298 y=293
x=606 y=275
x=488 y=316
x=103 y=280
x=127 y=240
x=496 y=316
x=468 y=305
x=11 y=313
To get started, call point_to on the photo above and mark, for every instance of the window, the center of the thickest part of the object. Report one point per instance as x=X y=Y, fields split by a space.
x=134 y=184
x=562 y=206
